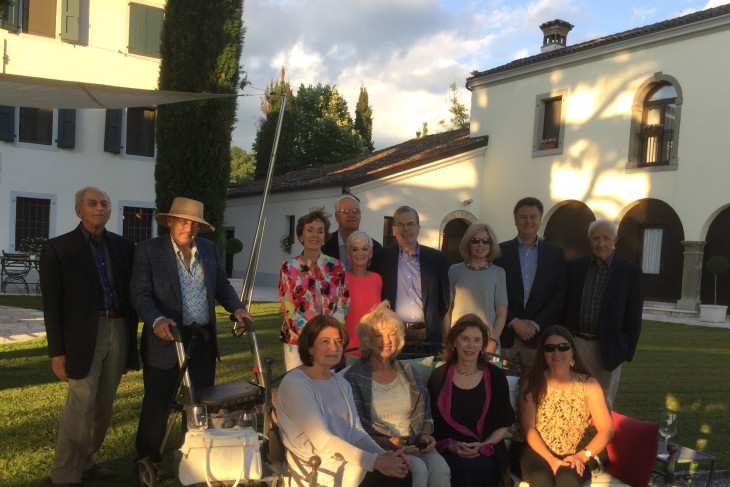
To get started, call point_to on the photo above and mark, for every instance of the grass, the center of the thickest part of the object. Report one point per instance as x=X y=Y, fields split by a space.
x=677 y=367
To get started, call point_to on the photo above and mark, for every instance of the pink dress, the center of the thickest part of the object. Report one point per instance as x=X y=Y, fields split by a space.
x=364 y=294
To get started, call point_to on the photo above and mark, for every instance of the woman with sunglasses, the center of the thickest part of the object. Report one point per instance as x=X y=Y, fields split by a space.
x=558 y=400
x=478 y=286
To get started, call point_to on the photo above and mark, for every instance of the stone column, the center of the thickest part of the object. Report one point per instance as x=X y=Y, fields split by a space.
x=691 y=275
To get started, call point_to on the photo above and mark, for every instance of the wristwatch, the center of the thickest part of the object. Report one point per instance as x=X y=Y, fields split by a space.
x=588 y=454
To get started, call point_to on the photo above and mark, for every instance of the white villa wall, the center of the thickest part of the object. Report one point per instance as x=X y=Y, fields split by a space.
x=601 y=90
x=28 y=170
x=434 y=191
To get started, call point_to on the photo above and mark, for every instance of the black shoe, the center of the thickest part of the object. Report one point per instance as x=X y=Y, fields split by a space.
x=98 y=473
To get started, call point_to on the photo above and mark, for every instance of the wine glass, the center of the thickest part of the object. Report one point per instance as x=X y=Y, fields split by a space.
x=668 y=427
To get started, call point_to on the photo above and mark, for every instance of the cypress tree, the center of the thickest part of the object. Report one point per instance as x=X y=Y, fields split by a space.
x=200 y=48
x=364 y=119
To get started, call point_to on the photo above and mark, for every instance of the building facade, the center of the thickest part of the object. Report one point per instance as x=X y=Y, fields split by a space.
x=628 y=127
x=46 y=155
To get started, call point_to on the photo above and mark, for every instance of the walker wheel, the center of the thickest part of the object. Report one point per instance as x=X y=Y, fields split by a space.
x=147 y=473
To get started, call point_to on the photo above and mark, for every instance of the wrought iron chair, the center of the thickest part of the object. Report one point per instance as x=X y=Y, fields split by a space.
x=15 y=268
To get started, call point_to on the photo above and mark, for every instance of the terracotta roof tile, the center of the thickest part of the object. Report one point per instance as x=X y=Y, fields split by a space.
x=406 y=155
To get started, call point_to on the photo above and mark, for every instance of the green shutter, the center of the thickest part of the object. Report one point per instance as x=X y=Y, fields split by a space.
x=10 y=16
x=70 y=21
x=7 y=123
x=113 y=131
x=145 y=26
x=66 y=128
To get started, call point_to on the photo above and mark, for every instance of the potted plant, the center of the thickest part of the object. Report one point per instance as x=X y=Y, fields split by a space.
x=714 y=313
x=31 y=246
x=233 y=246
x=285 y=243
x=550 y=143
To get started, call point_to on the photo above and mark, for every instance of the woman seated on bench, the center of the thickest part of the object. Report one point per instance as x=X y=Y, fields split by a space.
x=391 y=399
x=558 y=399
x=317 y=416
x=471 y=408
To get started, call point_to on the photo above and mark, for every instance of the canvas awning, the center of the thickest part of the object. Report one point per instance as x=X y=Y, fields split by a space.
x=26 y=91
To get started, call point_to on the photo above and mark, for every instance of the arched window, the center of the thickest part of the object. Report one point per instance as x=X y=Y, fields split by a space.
x=657 y=131
x=655 y=125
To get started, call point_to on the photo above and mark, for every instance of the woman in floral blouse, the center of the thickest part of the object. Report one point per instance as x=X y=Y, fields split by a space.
x=310 y=284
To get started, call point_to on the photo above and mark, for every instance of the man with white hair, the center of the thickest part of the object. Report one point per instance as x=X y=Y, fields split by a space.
x=347 y=214
x=603 y=307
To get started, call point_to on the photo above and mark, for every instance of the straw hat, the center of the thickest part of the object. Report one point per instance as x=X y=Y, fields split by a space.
x=189 y=210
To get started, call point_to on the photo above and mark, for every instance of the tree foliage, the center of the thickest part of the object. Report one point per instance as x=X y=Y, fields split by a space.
x=317 y=130
x=459 y=113
x=364 y=119
x=200 y=48
x=243 y=165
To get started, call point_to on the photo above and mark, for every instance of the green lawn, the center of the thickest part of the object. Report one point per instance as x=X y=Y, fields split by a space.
x=676 y=366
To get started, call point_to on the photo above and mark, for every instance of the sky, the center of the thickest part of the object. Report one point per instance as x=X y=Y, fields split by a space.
x=407 y=52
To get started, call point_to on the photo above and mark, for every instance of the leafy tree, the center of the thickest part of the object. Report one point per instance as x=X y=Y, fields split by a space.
x=459 y=113
x=271 y=101
x=243 y=165
x=364 y=119
x=317 y=129
x=200 y=48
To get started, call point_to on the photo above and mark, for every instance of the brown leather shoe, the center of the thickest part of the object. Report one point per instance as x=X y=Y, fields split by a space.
x=50 y=483
x=98 y=473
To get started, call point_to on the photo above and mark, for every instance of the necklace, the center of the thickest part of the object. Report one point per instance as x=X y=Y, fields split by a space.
x=461 y=372
x=476 y=268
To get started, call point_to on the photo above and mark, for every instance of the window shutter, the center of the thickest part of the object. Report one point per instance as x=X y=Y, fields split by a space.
x=154 y=31
x=7 y=123
x=136 y=28
x=70 y=21
x=10 y=16
x=66 y=128
x=113 y=131
x=145 y=26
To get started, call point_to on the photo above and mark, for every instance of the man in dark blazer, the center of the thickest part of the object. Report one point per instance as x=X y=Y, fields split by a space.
x=91 y=329
x=175 y=282
x=604 y=306
x=415 y=279
x=535 y=272
x=347 y=214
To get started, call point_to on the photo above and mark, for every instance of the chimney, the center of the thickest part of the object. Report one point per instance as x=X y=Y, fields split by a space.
x=554 y=34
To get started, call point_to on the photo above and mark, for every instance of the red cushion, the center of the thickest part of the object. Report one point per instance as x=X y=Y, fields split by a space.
x=632 y=450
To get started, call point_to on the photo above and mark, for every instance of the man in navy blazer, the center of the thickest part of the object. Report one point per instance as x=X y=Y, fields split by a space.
x=415 y=279
x=535 y=272
x=603 y=307
x=175 y=282
x=91 y=328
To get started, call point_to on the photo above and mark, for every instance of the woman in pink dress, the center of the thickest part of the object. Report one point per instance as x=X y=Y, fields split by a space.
x=364 y=286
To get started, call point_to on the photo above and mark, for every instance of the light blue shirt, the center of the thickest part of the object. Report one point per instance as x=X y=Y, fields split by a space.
x=528 y=266
x=192 y=285
x=409 y=300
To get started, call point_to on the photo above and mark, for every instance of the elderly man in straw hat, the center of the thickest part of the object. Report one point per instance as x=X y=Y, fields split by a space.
x=175 y=282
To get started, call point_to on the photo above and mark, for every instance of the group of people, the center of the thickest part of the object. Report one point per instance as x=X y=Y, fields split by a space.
x=377 y=422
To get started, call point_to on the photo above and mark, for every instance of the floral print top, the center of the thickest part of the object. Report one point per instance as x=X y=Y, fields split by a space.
x=301 y=283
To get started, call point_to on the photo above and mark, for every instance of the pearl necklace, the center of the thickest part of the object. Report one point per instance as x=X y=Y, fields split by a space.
x=461 y=372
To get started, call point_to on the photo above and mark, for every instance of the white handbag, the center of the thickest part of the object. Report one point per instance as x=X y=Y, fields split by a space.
x=219 y=455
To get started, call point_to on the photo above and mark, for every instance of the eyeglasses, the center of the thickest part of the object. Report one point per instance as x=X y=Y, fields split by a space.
x=561 y=347
x=406 y=225
x=347 y=211
x=485 y=241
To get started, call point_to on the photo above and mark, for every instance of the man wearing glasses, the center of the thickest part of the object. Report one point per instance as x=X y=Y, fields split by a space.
x=603 y=308
x=415 y=280
x=535 y=272
x=347 y=214
x=176 y=280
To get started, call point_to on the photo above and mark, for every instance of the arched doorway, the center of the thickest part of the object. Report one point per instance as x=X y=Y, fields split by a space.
x=650 y=235
x=453 y=233
x=568 y=228
x=717 y=243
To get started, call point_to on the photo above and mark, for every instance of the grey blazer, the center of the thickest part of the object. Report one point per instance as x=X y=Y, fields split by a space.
x=155 y=291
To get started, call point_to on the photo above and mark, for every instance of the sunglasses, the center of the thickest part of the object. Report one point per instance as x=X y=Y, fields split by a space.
x=485 y=241
x=550 y=348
